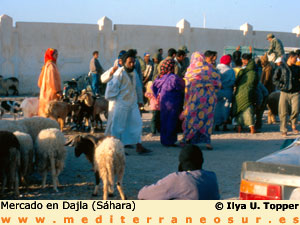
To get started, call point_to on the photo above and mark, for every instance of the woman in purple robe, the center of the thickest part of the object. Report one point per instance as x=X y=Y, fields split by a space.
x=169 y=89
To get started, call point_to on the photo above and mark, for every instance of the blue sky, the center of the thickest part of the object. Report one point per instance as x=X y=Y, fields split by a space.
x=268 y=15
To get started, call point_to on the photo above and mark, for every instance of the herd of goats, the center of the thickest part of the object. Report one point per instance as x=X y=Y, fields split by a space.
x=37 y=144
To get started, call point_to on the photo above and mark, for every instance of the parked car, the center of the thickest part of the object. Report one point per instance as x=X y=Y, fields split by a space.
x=273 y=177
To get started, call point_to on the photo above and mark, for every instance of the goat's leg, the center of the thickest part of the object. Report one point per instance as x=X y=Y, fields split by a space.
x=23 y=173
x=273 y=119
x=53 y=173
x=120 y=189
x=119 y=184
x=17 y=193
x=101 y=123
x=92 y=124
x=61 y=123
x=270 y=116
x=58 y=170
x=4 y=182
x=44 y=178
x=111 y=179
x=97 y=177
x=105 y=185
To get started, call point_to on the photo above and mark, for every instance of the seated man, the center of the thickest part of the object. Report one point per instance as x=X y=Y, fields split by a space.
x=190 y=183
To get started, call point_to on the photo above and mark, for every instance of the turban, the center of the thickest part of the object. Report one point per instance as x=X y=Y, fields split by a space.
x=225 y=59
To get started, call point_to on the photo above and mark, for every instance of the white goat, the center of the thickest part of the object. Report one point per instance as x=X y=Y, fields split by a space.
x=108 y=159
x=51 y=154
x=27 y=152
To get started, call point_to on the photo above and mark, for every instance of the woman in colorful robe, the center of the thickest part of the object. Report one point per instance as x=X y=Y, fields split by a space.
x=169 y=88
x=49 y=81
x=202 y=82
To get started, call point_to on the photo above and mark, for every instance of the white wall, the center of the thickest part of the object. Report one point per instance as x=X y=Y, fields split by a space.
x=22 y=47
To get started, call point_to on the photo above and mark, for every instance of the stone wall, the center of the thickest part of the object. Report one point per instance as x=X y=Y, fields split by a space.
x=22 y=46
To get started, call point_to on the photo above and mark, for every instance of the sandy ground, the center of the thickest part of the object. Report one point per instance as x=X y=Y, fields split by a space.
x=230 y=151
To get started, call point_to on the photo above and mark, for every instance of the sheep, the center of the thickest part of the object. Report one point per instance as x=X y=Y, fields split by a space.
x=107 y=156
x=9 y=160
x=36 y=124
x=59 y=110
x=12 y=126
x=110 y=160
x=31 y=126
x=30 y=107
x=50 y=154
x=9 y=86
x=27 y=152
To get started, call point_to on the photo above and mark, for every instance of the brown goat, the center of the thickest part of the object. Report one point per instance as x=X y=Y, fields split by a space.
x=59 y=111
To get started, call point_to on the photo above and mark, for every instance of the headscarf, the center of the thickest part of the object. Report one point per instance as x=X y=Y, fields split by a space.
x=200 y=70
x=121 y=54
x=225 y=59
x=198 y=67
x=190 y=158
x=49 y=55
x=167 y=67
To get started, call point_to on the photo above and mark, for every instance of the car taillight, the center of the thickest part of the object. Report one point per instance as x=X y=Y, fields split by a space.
x=259 y=191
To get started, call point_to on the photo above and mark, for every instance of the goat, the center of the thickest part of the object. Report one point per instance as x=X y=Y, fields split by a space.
x=9 y=86
x=11 y=107
x=86 y=102
x=92 y=108
x=107 y=156
x=272 y=105
x=50 y=154
x=59 y=111
x=9 y=160
x=100 y=106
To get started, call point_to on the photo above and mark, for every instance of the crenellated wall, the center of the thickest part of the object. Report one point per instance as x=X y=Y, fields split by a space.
x=22 y=46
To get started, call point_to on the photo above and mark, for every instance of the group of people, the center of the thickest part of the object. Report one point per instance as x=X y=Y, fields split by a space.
x=191 y=96
x=183 y=96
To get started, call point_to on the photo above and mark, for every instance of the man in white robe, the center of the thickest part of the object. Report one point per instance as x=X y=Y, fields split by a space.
x=124 y=91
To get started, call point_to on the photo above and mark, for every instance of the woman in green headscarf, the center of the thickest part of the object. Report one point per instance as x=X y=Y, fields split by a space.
x=245 y=94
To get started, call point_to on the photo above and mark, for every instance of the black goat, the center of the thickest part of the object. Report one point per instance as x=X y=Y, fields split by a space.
x=9 y=160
